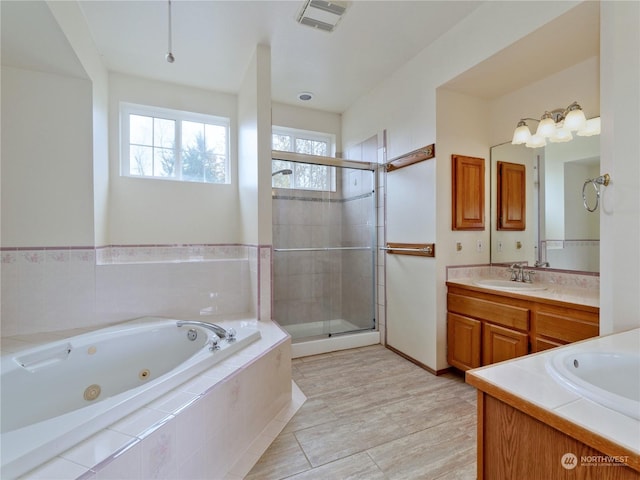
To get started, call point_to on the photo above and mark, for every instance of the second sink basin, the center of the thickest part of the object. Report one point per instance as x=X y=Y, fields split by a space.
x=509 y=285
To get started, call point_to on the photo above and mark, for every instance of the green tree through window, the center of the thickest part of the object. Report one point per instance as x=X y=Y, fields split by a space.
x=162 y=143
x=305 y=176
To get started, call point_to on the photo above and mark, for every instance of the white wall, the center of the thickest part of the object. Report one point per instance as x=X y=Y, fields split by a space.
x=579 y=223
x=462 y=130
x=71 y=21
x=579 y=82
x=254 y=149
x=47 y=175
x=405 y=105
x=620 y=157
x=152 y=211
x=283 y=115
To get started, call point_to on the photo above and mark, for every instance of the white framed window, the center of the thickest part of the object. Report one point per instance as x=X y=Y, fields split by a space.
x=173 y=144
x=303 y=176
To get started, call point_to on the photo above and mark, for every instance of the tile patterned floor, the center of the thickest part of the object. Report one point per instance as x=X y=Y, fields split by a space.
x=370 y=414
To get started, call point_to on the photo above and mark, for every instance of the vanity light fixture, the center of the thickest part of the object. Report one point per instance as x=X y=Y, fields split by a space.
x=556 y=126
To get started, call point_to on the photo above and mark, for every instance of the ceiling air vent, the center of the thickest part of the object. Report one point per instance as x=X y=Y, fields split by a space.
x=321 y=14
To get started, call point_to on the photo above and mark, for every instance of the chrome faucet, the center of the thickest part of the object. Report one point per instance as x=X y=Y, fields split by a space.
x=229 y=335
x=519 y=274
x=516 y=272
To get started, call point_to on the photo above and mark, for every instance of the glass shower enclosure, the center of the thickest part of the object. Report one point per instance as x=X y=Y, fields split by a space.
x=324 y=245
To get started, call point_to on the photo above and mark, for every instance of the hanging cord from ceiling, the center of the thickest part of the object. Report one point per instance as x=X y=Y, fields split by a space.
x=169 y=56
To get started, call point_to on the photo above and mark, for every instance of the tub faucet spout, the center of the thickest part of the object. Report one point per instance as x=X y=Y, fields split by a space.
x=229 y=335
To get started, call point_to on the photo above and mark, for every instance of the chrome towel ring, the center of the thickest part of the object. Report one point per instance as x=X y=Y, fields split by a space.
x=596 y=182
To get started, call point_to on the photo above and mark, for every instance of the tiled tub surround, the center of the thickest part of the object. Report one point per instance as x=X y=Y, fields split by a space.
x=220 y=421
x=57 y=288
x=92 y=380
x=525 y=381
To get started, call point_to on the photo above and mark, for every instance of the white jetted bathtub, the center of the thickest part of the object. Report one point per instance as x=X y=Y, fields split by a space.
x=58 y=394
x=611 y=379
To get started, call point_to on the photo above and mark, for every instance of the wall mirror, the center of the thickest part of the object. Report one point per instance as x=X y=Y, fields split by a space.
x=559 y=232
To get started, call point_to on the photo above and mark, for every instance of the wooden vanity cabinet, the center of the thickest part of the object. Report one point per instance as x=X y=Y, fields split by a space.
x=555 y=326
x=485 y=328
x=518 y=440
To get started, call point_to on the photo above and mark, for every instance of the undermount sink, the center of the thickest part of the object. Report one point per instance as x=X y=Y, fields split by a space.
x=608 y=378
x=509 y=285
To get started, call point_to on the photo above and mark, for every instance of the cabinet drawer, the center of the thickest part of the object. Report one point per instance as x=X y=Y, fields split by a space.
x=506 y=315
x=564 y=327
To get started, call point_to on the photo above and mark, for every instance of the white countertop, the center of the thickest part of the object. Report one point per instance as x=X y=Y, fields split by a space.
x=561 y=293
x=527 y=378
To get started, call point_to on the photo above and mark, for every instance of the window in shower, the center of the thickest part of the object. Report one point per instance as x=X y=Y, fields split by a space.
x=303 y=176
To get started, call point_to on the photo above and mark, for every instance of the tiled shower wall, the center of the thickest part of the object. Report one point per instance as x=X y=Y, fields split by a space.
x=325 y=285
x=52 y=289
x=358 y=229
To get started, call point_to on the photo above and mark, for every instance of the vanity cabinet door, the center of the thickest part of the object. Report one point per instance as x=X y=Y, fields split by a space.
x=464 y=337
x=467 y=174
x=499 y=343
x=511 y=196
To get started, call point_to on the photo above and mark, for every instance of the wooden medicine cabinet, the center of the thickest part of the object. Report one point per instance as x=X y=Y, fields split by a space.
x=467 y=196
x=511 y=196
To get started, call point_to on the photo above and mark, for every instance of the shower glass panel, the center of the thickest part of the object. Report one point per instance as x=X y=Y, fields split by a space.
x=324 y=237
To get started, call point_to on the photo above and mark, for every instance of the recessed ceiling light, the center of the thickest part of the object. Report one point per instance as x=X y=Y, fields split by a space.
x=305 y=96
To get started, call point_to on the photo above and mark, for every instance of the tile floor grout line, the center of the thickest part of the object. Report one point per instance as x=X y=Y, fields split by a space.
x=358 y=362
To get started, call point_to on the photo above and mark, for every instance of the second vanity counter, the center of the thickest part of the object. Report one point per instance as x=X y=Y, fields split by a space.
x=552 y=431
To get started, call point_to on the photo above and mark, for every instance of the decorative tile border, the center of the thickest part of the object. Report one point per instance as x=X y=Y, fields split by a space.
x=560 y=244
x=42 y=255
x=125 y=254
